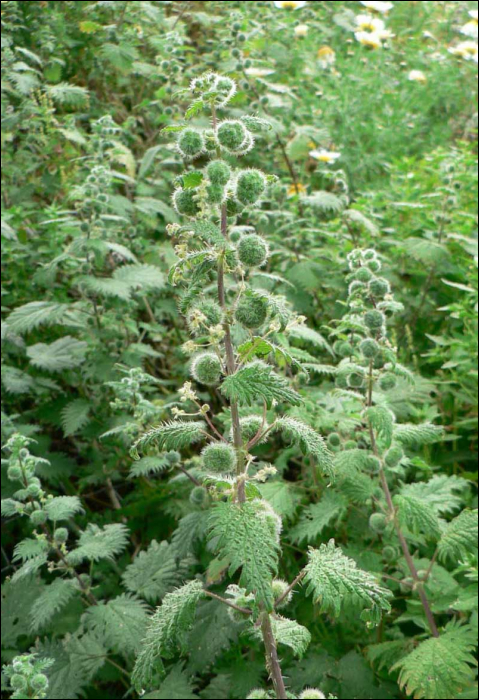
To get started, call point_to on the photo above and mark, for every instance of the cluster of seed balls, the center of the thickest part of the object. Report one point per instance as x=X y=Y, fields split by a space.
x=26 y=680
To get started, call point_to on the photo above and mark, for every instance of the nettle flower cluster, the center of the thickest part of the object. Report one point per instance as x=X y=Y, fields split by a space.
x=245 y=373
x=27 y=676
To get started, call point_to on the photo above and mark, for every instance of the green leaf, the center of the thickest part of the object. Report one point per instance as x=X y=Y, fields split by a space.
x=258 y=382
x=140 y=276
x=309 y=441
x=291 y=634
x=318 y=516
x=167 y=634
x=283 y=497
x=53 y=599
x=382 y=420
x=97 y=543
x=17 y=601
x=30 y=316
x=417 y=516
x=444 y=493
x=418 y=435
x=176 y=685
x=245 y=535
x=156 y=571
x=63 y=507
x=175 y=435
x=440 y=667
x=120 y=623
x=194 y=109
x=149 y=465
x=191 y=180
x=336 y=582
x=460 y=538
x=67 y=94
x=64 y=353
x=75 y=416
x=30 y=549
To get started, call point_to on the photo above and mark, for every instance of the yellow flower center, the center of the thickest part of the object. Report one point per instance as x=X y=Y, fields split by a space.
x=296 y=189
x=289 y=5
x=325 y=52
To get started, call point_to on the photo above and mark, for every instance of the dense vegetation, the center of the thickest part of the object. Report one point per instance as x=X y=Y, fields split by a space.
x=239 y=349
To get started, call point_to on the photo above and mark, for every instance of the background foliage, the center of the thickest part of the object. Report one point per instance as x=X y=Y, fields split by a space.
x=92 y=336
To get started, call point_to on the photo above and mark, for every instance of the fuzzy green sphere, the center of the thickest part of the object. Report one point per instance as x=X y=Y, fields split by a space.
x=173 y=457
x=369 y=348
x=356 y=380
x=356 y=288
x=208 y=312
x=374 y=265
x=198 y=496
x=350 y=445
x=191 y=143
x=334 y=440
x=250 y=185
x=378 y=523
x=15 y=473
x=185 y=202
x=39 y=682
x=18 y=682
x=34 y=490
x=216 y=194
x=253 y=250
x=312 y=694
x=219 y=172
x=38 y=517
x=250 y=427
x=232 y=135
x=279 y=589
x=379 y=287
x=60 y=535
x=252 y=311
x=374 y=464
x=394 y=456
x=206 y=369
x=364 y=274
x=233 y=207
x=219 y=459
x=374 y=320
x=388 y=382
x=390 y=554
x=344 y=348
x=370 y=254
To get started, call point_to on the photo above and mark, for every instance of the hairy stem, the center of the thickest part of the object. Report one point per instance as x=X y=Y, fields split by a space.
x=272 y=659
x=296 y=581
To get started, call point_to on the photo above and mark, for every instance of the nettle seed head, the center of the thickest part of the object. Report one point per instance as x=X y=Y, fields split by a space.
x=378 y=523
x=251 y=426
x=253 y=251
x=204 y=315
x=219 y=459
x=356 y=379
x=312 y=694
x=15 y=473
x=258 y=694
x=216 y=194
x=39 y=682
x=334 y=440
x=375 y=320
x=250 y=185
x=191 y=144
x=265 y=511
x=207 y=369
x=219 y=172
x=343 y=348
x=185 y=202
x=356 y=288
x=369 y=348
x=198 y=496
x=60 y=535
x=18 y=682
x=38 y=517
x=233 y=136
x=252 y=311
x=379 y=287
x=173 y=457
x=279 y=589
x=364 y=274
x=374 y=265
x=388 y=382
x=390 y=554
x=394 y=456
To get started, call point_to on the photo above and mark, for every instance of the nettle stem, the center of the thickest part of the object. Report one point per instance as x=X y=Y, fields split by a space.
x=272 y=659
x=419 y=585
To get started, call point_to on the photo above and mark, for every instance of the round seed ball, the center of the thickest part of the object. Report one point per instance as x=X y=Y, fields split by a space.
x=379 y=287
x=364 y=274
x=374 y=320
x=198 y=496
x=18 y=682
x=369 y=348
x=388 y=382
x=216 y=194
x=252 y=311
x=173 y=457
x=279 y=589
x=39 y=682
x=334 y=440
x=250 y=186
x=394 y=456
x=60 y=535
x=219 y=459
x=356 y=380
x=378 y=523
x=39 y=517
x=232 y=135
x=374 y=265
x=206 y=369
x=250 y=427
x=185 y=202
x=253 y=250
x=191 y=143
x=219 y=172
x=208 y=309
x=14 y=473
x=390 y=554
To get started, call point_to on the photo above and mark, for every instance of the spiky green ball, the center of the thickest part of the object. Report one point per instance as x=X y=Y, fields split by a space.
x=378 y=523
x=15 y=473
x=312 y=694
x=219 y=459
x=250 y=185
x=334 y=440
x=356 y=380
x=370 y=254
x=374 y=265
x=39 y=682
x=252 y=311
x=18 y=682
x=369 y=348
x=279 y=589
x=379 y=287
x=173 y=457
x=232 y=135
x=60 y=535
x=388 y=382
x=38 y=517
x=390 y=554
x=207 y=309
x=374 y=320
x=206 y=369
x=350 y=445
x=219 y=172
x=356 y=288
x=191 y=143
x=364 y=274
x=343 y=348
x=250 y=427
x=253 y=250
x=216 y=194
x=198 y=496
x=185 y=202
x=394 y=456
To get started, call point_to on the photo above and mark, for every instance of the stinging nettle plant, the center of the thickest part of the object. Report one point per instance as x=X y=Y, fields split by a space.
x=240 y=352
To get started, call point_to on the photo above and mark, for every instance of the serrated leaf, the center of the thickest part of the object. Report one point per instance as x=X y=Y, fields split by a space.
x=64 y=353
x=53 y=599
x=318 y=516
x=120 y=623
x=63 y=508
x=35 y=314
x=257 y=381
x=95 y=543
x=156 y=571
x=75 y=416
x=460 y=538
x=175 y=435
x=310 y=442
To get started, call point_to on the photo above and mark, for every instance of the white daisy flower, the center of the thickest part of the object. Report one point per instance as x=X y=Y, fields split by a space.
x=474 y=14
x=324 y=156
x=301 y=30
x=468 y=50
x=370 y=39
x=382 y=7
x=369 y=23
x=326 y=56
x=417 y=76
x=285 y=5
x=470 y=29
